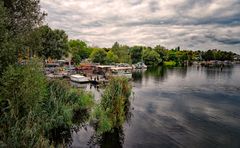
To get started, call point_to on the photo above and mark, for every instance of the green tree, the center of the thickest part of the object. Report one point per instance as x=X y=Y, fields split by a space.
x=162 y=51
x=181 y=56
x=77 y=44
x=122 y=51
x=23 y=15
x=124 y=54
x=111 y=57
x=136 y=54
x=79 y=50
x=209 y=55
x=18 y=19
x=54 y=43
x=151 y=57
x=8 y=52
x=171 y=55
x=115 y=48
x=98 y=55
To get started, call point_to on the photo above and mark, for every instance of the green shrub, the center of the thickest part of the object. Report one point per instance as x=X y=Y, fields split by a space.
x=111 y=112
x=34 y=110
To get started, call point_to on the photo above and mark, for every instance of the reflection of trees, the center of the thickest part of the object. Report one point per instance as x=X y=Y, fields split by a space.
x=62 y=134
x=216 y=72
x=181 y=71
x=159 y=73
x=137 y=75
x=128 y=111
x=112 y=139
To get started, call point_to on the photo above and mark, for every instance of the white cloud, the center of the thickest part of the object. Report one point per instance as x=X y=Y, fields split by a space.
x=191 y=24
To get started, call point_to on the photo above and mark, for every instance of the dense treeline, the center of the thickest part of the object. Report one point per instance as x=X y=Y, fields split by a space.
x=158 y=55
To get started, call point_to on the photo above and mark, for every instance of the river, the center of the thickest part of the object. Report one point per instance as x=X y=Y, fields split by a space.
x=177 y=107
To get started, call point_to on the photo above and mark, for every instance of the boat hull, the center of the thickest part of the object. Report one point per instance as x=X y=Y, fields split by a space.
x=79 y=79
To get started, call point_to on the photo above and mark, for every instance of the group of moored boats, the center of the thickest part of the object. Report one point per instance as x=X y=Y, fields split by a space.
x=94 y=73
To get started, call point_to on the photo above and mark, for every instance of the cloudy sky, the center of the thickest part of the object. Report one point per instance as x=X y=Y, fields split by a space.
x=190 y=24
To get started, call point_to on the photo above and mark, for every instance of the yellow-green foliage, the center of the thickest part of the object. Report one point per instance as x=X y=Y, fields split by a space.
x=170 y=63
x=111 y=112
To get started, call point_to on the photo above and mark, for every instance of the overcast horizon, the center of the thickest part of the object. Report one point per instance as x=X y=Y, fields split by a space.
x=190 y=24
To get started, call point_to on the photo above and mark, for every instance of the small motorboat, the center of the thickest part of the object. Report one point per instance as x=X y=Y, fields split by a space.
x=121 y=71
x=79 y=78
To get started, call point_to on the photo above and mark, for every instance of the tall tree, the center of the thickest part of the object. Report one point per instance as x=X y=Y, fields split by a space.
x=151 y=57
x=79 y=50
x=98 y=55
x=24 y=15
x=111 y=57
x=161 y=50
x=136 y=54
x=8 y=54
x=54 y=43
x=17 y=19
x=209 y=55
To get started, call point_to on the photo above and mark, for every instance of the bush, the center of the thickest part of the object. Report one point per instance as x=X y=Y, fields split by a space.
x=33 y=110
x=111 y=112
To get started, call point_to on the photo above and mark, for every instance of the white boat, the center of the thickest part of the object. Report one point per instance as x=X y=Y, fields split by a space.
x=79 y=78
x=122 y=71
x=140 y=65
x=79 y=85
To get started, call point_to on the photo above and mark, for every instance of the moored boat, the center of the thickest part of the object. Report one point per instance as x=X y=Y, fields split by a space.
x=122 y=71
x=140 y=65
x=79 y=78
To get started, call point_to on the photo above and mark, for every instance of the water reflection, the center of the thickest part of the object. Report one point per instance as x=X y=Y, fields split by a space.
x=181 y=71
x=138 y=75
x=194 y=107
x=158 y=73
x=113 y=139
x=62 y=135
x=215 y=73
x=79 y=85
x=178 y=107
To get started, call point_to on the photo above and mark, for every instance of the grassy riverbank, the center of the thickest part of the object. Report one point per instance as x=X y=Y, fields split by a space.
x=33 y=109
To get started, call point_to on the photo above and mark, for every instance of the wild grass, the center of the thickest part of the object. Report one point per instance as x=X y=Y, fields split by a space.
x=111 y=112
x=34 y=110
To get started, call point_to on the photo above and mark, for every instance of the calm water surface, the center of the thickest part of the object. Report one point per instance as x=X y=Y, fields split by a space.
x=178 y=107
